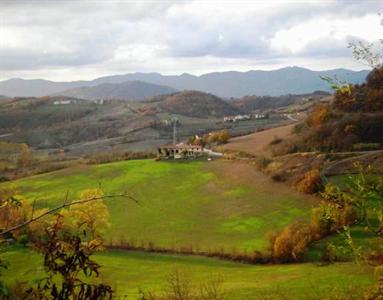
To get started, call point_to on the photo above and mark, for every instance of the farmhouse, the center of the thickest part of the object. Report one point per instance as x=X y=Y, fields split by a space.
x=180 y=150
x=184 y=151
x=63 y=102
x=236 y=118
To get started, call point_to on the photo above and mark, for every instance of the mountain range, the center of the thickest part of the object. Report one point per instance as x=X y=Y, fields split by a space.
x=289 y=80
x=129 y=90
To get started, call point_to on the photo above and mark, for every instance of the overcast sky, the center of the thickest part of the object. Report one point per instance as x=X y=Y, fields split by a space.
x=71 y=40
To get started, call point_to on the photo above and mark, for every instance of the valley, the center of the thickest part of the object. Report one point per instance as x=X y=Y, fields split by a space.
x=205 y=206
x=191 y=150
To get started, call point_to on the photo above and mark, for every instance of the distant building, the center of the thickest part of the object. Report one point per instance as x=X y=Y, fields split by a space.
x=100 y=101
x=236 y=118
x=260 y=116
x=233 y=119
x=184 y=151
x=62 y=102
x=179 y=151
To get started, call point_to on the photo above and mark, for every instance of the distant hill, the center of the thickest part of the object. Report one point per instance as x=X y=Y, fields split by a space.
x=195 y=104
x=290 y=80
x=251 y=103
x=35 y=87
x=131 y=90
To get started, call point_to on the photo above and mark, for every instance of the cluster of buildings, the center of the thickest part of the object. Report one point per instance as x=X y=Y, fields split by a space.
x=75 y=101
x=233 y=119
x=184 y=151
x=65 y=102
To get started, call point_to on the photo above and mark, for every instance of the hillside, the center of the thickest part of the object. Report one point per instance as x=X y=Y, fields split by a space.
x=256 y=143
x=196 y=104
x=150 y=271
x=130 y=90
x=204 y=205
x=290 y=80
x=252 y=103
x=352 y=121
x=85 y=127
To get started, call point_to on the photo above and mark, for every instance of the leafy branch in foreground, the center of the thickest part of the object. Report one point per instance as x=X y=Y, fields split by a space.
x=66 y=257
x=364 y=52
x=66 y=242
x=33 y=218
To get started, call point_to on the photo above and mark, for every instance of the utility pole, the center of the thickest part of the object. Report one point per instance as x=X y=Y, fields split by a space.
x=175 y=122
x=174 y=132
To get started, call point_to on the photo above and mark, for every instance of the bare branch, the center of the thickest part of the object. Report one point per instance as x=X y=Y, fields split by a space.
x=75 y=202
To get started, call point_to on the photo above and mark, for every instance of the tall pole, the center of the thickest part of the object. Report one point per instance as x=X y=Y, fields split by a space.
x=174 y=132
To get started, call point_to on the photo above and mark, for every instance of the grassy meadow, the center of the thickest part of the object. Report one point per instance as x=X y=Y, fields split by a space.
x=128 y=272
x=207 y=205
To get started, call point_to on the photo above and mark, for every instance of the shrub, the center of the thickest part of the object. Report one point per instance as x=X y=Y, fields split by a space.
x=217 y=137
x=328 y=218
x=291 y=243
x=310 y=183
x=319 y=115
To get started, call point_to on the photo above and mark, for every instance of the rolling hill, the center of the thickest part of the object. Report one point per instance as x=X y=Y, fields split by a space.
x=195 y=104
x=130 y=90
x=290 y=80
x=251 y=103
x=204 y=205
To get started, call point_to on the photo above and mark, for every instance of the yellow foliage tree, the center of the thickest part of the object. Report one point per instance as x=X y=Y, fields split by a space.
x=291 y=243
x=90 y=218
x=310 y=183
x=319 y=115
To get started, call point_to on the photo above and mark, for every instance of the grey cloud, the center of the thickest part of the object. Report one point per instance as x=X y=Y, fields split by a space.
x=94 y=30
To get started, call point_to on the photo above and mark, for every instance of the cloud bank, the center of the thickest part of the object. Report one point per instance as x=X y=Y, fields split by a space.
x=71 y=40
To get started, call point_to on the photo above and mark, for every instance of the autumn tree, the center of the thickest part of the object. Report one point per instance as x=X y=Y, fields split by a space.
x=90 y=217
x=291 y=243
x=70 y=270
x=68 y=264
x=319 y=115
x=310 y=182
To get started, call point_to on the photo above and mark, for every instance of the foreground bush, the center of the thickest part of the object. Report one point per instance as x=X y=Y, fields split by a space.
x=310 y=183
x=290 y=245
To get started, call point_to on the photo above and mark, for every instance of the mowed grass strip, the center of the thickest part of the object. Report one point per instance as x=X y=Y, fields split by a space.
x=128 y=272
x=217 y=205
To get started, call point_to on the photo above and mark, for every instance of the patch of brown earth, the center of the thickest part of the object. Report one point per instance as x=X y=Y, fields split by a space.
x=257 y=142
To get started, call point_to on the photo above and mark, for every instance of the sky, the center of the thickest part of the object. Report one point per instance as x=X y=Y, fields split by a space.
x=66 y=40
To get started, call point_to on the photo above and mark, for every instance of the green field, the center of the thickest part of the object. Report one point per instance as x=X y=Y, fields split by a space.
x=128 y=272
x=207 y=205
